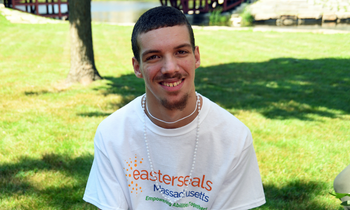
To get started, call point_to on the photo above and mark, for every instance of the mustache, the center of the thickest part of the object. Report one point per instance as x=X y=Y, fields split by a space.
x=175 y=75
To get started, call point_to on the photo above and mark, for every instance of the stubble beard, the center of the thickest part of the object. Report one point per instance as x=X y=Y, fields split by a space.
x=180 y=105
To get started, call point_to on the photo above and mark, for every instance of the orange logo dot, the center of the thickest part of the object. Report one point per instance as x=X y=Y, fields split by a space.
x=135 y=165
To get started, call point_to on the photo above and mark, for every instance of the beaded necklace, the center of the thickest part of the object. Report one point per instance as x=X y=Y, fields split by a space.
x=149 y=113
x=172 y=201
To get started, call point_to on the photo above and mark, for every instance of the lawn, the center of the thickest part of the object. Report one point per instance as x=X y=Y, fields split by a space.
x=291 y=89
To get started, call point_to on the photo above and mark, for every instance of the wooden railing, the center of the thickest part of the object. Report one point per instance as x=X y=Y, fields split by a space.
x=201 y=6
x=32 y=6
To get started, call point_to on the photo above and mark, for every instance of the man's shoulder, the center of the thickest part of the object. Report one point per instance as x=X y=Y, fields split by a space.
x=120 y=116
x=222 y=115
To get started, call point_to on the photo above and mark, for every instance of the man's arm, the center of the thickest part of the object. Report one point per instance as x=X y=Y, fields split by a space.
x=242 y=186
x=103 y=189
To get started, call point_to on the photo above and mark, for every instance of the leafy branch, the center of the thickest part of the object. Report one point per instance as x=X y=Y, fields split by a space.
x=342 y=195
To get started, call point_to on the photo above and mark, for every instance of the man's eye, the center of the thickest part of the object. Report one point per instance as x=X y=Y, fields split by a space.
x=181 y=52
x=151 y=57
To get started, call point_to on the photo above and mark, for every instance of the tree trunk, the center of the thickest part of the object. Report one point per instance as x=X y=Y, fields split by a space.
x=83 y=67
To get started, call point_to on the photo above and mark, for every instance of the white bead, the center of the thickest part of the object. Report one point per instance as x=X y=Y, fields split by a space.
x=144 y=107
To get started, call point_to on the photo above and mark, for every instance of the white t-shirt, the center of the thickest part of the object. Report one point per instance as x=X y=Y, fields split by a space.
x=226 y=173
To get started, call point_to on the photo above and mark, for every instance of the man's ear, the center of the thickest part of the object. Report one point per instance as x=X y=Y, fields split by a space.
x=197 y=57
x=136 y=66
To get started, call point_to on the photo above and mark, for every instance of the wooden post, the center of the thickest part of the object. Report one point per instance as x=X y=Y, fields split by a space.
x=37 y=7
x=52 y=7
x=47 y=7
x=184 y=6
x=26 y=6
x=59 y=9
x=13 y=4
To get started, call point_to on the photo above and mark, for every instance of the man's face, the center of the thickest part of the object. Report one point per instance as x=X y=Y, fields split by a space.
x=167 y=64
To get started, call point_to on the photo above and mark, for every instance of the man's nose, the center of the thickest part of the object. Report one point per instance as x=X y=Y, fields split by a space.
x=170 y=65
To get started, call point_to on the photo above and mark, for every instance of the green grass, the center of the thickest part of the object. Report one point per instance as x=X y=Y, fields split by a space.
x=290 y=89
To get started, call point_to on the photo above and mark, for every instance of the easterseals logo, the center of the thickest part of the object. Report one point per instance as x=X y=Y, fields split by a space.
x=130 y=167
x=135 y=177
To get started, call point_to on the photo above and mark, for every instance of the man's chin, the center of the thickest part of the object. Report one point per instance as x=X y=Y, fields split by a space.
x=172 y=105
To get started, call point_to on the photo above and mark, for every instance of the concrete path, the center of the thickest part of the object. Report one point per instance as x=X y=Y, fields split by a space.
x=324 y=10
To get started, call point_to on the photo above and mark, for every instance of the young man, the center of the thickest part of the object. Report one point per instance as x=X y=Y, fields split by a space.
x=172 y=148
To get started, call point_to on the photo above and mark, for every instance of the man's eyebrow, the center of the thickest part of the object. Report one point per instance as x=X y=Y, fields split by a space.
x=183 y=45
x=149 y=52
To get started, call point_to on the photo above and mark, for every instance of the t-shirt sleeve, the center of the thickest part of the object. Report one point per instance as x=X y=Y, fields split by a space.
x=242 y=188
x=103 y=189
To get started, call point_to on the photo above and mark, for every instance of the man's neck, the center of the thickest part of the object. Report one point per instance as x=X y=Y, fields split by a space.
x=162 y=113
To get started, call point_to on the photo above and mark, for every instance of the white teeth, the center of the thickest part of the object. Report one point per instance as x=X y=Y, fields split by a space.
x=172 y=84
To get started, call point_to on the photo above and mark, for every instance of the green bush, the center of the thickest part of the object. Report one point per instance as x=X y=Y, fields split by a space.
x=247 y=18
x=216 y=18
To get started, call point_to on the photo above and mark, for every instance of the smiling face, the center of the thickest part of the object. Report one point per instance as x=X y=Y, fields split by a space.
x=167 y=65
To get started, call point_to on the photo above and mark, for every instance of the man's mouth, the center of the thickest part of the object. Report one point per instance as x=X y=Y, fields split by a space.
x=171 y=84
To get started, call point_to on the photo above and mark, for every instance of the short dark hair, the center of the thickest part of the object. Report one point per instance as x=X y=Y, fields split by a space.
x=158 y=17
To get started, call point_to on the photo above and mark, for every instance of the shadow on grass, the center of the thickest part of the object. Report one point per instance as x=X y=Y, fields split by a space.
x=16 y=180
x=36 y=93
x=295 y=195
x=280 y=88
x=93 y=114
